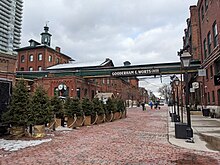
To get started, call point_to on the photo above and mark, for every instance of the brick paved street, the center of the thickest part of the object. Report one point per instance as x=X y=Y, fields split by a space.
x=139 y=139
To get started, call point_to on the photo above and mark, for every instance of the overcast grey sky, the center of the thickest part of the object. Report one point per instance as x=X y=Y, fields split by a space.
x=140 y=31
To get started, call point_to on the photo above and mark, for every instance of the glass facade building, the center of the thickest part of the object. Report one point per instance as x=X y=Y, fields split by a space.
x=10 y=25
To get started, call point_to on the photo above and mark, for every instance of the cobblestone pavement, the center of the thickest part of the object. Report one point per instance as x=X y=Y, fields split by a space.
x=140 y=139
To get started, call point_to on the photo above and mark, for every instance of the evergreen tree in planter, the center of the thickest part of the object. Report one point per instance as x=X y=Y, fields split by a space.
x=17 y=113
x=99 y=110
x=41 y=111
x=67 y=107
x=111 y=106
x=120 y=105
x=87 y=107
x=75 y=113
x=76 y=107
x=88 y=110
x=97 y=106
x=57 y=109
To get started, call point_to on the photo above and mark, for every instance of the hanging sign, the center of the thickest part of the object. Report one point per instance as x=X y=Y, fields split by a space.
x=192 y=90
x=136 y=72
x=201 y=72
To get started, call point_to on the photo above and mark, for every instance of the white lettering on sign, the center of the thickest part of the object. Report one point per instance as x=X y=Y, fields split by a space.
x=135 y=72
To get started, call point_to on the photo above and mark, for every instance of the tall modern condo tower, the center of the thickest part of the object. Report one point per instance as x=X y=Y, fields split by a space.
x=10 y=25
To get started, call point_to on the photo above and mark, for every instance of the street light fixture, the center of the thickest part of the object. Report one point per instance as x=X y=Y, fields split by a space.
x=185 y=58
x=177 y=82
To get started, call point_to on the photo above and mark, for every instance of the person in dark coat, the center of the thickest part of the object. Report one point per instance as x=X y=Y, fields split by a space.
x=143 y=106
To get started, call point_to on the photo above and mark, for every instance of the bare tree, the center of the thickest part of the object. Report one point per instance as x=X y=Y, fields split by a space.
x=165 y=91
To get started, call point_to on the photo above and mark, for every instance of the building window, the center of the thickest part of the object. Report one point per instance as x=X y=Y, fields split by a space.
x=50 y=58
x=209 y=42
x=206 y=4
x=213 y=96
x=56 y=92
x=39 y=68
x=40 y=57
x=22 y=58
x=211 y=71
x=207 y=74
x=57 y=60
x=31 y=69
x=22 y=69
x=78 y=92
x=215 y=34
x=202 y=12
x=31 y=57
x=208 y=98
x=205 y=48
x=85 y=92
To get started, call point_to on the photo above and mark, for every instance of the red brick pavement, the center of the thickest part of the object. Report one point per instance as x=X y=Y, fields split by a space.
x=140 y=139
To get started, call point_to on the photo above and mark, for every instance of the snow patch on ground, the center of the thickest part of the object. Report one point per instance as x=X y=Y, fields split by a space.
x=14 y=145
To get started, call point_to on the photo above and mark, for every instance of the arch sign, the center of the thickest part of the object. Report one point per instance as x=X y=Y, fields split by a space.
x=135 y=72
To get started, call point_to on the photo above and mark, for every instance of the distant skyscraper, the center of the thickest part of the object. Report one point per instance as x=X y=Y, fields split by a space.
x=10 y=24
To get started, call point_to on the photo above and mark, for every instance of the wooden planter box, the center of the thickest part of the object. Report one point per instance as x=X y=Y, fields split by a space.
x=109 y=117
x=57 y=123
x=78 y=123
x=87 y=121
x=39 y=131
x=116 y=115
x=17 y=131
x=100 y=119
x=124 y=114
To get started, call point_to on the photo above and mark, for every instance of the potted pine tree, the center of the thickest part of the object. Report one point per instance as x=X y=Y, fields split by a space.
x=74 y=114
x=17 y=114
x=98 y=110
x=41 y=113
x=110 y=109
x=121 y=108
x=57 y=110
x=87 y=110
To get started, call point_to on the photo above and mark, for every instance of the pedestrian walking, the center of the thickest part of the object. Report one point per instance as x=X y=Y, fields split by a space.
x=151 y=105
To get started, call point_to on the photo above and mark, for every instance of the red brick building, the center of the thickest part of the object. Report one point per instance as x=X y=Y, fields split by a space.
x=7 y=66
x=202 y=41
x=42 y=65
x=38 y=56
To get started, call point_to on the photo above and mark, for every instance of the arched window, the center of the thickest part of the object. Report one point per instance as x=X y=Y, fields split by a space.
x=31 y=57
x=40 y=57
x=31 y=69
x=22 y=58
x=50 y=58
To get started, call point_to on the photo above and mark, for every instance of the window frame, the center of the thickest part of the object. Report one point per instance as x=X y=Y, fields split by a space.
x=202 y=13
x=39 y=68
x=40 y=57
x=31 y=57
x=209 y=42
x=215 y=34
x=205 y=48
x=31 y=68
x=22 y=58
x=211 y=71
x=50 y=59
x=213 y=96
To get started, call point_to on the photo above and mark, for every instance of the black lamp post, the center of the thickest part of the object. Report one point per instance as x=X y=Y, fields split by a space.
x=185 y=58
x=177 y=82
